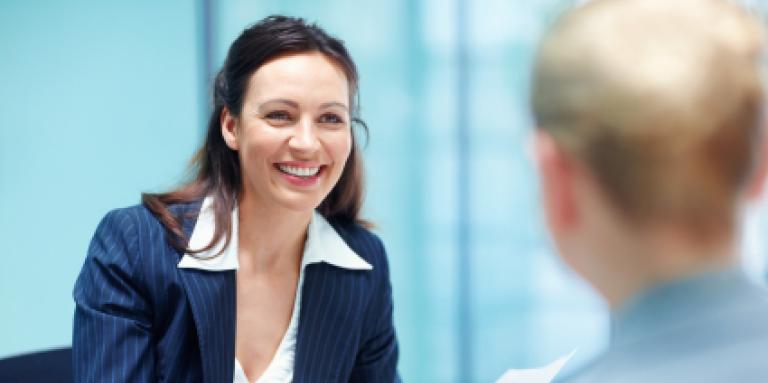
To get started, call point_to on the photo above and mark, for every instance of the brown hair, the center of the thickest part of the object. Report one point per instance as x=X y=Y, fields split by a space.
x=216 y=167
x=661 y=99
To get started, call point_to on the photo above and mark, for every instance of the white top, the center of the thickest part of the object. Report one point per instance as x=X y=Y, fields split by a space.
x=323 y=244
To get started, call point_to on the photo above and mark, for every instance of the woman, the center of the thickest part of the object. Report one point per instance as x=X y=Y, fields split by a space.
x=259 y=268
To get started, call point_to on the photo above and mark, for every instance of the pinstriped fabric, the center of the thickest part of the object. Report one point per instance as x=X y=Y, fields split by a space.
x=112 y=317
x=139 y=318
x=345 y=324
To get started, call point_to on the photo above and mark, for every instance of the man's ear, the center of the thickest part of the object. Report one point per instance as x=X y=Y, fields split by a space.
x=757 y=181
x=556 y=172
x=229 y=129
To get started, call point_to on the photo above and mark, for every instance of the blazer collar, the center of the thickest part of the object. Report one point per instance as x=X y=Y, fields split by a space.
x=323 y=245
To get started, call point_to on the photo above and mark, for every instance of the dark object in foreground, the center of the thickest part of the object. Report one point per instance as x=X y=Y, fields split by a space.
x=54 y=366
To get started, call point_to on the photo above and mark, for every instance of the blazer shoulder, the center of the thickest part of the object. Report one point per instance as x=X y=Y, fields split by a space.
x=123 y=223
x=141 y=216
x=123 y=234
x=137 y=229
x=129 y=221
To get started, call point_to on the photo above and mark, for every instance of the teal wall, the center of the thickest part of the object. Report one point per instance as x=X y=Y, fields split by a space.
x=100 y=101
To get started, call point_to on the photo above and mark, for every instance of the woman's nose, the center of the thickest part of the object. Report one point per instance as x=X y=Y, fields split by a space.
x=304 y=137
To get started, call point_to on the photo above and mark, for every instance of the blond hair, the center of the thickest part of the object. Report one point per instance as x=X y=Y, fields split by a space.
x=662 y=99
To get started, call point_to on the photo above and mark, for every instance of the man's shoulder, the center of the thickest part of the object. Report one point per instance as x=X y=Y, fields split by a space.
x=734 y=351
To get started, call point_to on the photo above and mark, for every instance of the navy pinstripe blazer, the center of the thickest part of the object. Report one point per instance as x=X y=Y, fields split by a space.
x=139 y=318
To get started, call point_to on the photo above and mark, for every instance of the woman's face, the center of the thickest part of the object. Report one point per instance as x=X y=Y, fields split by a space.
x=293 y=134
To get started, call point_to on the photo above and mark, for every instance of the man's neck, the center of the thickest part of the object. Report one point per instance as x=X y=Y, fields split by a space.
x=662 y=257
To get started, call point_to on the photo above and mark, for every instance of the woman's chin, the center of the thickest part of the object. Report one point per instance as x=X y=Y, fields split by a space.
x=299 y=202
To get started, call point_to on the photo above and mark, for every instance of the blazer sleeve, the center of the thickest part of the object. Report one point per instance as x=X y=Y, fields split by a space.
x=112 y=338
x=377 y=359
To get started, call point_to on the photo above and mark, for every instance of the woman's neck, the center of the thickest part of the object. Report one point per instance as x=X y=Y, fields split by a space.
x=270 y=238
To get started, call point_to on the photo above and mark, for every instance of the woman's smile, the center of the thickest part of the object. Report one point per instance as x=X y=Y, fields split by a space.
x=300 y=173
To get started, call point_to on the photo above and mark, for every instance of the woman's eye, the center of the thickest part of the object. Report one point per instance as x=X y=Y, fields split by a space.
x=278 y=116
x=330 y=118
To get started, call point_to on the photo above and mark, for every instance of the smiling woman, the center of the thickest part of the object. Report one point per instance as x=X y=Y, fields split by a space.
x=294 y=142
x=259 y=269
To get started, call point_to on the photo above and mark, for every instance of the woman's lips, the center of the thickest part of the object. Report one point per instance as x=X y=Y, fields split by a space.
x=300 y=174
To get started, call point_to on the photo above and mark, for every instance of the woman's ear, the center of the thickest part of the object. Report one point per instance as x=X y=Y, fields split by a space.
x=556 y=183
x=229 y=128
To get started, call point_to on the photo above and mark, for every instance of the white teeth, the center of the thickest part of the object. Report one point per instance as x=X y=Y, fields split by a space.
x=297 y=171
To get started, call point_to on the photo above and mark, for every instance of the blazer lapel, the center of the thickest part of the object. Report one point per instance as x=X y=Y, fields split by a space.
x=329 y=317
x=211 y=296
x=212 y=301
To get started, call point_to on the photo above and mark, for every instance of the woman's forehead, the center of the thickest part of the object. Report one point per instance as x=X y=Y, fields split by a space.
x=301 y=75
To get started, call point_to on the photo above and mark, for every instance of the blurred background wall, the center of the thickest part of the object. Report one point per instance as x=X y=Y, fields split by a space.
x=100 y=101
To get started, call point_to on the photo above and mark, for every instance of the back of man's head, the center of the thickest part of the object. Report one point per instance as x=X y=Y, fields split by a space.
x=661 y=99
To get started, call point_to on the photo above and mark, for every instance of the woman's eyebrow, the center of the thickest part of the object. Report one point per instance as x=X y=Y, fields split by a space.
x=290 y=103
x=332 y=104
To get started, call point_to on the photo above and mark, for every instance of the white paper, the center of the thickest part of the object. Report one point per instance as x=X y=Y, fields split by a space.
x=536 y=375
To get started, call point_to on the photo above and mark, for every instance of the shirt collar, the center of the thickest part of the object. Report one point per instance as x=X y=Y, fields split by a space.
x=683 y=301
x=323 y=244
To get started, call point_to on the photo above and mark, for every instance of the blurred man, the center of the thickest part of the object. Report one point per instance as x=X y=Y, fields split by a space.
x=649 y=116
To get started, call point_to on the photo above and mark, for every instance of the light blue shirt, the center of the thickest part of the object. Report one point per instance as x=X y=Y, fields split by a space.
x=712 y=327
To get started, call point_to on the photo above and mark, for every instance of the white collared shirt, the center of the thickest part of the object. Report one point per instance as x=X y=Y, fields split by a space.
x=323 y=244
